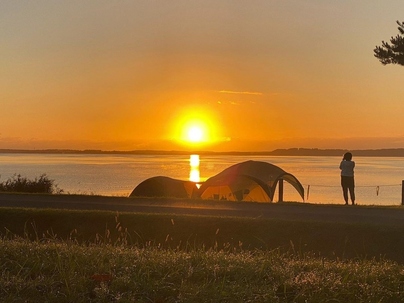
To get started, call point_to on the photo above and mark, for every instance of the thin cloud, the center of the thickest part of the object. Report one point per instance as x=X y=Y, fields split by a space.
x=240 y=93
x=228 y=102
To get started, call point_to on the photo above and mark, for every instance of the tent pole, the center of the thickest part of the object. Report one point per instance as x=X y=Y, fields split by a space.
x=280 y=190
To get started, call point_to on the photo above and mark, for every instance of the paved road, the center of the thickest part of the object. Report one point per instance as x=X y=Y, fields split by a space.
x=285 y=211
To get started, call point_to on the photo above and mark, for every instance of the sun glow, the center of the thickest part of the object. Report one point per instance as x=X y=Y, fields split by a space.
x=195 y=127
x=195 y=133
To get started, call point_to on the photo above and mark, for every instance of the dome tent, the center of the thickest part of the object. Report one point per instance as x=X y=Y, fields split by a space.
x=248 y=181
x=161 y=186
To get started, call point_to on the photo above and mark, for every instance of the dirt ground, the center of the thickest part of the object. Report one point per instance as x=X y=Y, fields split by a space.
x=375 y=215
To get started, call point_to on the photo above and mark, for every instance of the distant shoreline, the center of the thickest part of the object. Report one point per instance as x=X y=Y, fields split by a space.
x=391 y=152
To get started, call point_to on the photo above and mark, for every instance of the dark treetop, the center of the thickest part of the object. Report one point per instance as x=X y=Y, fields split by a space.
x=393 y=52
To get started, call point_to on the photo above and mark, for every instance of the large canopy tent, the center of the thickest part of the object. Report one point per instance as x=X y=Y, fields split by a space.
x=161 y=186
x=248 y=181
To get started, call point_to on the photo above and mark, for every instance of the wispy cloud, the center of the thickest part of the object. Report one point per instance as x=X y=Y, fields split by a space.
x=240 y=93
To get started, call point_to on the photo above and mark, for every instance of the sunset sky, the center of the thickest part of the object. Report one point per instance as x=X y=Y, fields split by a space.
x=249 y=75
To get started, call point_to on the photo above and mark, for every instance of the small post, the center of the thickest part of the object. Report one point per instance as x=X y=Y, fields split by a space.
x=280 y=190
x=402 y=192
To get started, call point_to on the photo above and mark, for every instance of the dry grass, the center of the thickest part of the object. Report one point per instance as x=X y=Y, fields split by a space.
x=65 y=272
x=160 y=258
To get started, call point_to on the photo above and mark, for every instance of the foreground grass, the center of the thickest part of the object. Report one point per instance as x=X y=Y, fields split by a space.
x=183 y=232
x=93 y=256
x=65 y=272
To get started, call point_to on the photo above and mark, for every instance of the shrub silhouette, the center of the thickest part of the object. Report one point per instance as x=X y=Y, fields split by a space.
x=19 y=184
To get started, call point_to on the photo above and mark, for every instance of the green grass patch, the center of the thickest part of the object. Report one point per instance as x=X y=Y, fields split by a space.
x=66 y=272
x=331 y=240
x=99 y=256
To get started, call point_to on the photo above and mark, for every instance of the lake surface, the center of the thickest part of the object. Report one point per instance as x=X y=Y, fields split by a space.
x=378 y=179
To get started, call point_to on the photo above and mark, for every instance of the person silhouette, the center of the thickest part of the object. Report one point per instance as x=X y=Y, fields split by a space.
x=347 y=177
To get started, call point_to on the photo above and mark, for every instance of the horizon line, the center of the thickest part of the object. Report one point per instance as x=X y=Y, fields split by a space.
x=298 y=151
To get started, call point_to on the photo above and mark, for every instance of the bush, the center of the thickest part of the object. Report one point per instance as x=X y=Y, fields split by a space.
x=19 y=184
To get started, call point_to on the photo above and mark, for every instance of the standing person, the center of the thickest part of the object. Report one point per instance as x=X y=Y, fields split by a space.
x=347 y=177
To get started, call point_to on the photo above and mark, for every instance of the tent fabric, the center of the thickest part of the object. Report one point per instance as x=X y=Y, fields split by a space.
x=161 y=186
x=248 y=181
x=238 y=188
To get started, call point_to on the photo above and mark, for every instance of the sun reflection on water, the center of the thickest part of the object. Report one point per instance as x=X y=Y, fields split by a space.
x=194 y=174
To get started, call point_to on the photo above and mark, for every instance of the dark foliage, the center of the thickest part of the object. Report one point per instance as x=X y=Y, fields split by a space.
x=393 y=52
x=19 y=184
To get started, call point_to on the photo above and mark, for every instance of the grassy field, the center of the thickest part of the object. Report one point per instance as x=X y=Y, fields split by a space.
x=94 y=256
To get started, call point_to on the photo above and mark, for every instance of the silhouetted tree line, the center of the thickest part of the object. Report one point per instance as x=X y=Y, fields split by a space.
x=389 y=152
x=393 y=152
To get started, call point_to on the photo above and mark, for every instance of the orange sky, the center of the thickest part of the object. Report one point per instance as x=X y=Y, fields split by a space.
x=125 y=75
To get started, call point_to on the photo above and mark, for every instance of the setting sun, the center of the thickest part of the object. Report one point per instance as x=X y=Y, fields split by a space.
x=195 y=127
x=195 y=134
x=195 y=131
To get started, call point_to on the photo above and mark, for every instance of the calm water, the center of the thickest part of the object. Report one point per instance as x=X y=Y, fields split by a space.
x=378 y=180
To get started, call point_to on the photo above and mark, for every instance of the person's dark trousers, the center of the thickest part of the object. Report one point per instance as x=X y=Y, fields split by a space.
x=348 y=184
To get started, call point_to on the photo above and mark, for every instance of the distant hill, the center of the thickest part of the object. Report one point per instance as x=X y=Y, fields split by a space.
x=396 y=152
x=392 y=152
